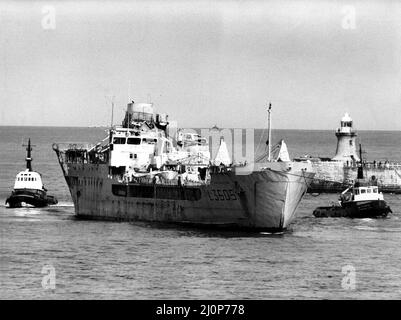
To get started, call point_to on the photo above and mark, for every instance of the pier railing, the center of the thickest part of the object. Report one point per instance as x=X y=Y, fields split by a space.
x=375 y=165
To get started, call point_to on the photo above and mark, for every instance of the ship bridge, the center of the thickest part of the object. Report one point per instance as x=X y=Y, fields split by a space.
x=28 y=180
x=132 y=148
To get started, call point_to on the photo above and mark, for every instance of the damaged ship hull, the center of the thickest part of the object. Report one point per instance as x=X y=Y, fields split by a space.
x=260 y=200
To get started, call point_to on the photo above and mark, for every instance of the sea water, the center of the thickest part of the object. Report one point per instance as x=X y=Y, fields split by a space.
x=331 y=258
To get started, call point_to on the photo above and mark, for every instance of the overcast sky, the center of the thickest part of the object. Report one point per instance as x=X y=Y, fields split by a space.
x=202 y=62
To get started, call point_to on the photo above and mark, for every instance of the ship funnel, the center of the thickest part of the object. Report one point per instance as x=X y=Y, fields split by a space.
x=138 y=112
x=346 y=147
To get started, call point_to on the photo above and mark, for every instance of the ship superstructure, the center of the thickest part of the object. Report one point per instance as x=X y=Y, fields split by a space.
x=142 y=171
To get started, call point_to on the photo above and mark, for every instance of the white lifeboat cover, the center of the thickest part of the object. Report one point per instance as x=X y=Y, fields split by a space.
x=283 y=154
x=222 y=156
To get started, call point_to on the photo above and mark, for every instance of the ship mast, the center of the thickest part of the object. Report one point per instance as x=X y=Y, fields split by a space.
x=270 y=131
x=360 y=167
x=112 y=115
x=28 y=155
x=112 y=112
x=111 y=99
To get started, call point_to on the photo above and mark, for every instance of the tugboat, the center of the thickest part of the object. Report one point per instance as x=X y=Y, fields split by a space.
x=362 y=200
x=28 y=187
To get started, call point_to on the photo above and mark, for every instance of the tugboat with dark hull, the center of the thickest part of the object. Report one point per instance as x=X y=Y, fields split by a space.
x=28 y=187
x=357 y=202
x=362 y=200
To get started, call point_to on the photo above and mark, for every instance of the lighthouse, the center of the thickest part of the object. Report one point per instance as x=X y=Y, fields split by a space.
x=346 y=146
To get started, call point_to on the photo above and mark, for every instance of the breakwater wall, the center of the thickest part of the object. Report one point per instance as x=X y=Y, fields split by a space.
x=334 y=176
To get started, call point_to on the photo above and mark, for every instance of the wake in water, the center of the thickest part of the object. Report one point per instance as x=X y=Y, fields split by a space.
x=366 y=228
x=63 y=204
x=62 y=208
x=378 y=229
x=22 y=212
x=58 y=205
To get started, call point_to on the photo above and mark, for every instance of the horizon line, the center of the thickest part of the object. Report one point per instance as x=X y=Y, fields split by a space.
x=260 y=128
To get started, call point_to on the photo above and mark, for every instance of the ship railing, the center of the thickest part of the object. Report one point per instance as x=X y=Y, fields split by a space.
x=81 y=153
x=74 y=146
x=159 y=182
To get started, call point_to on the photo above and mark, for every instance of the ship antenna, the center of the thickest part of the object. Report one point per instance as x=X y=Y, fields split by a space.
x=270 y=131
x=129 y=121
x=112 y=110
x=28 y=155
x=129 y=90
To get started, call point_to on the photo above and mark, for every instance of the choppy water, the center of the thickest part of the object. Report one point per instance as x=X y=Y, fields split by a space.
x=94 y=259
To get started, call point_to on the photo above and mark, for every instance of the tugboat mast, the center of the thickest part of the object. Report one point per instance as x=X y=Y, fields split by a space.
x=28 y=155
x=360 y=167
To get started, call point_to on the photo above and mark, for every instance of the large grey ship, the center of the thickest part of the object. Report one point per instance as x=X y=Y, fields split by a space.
x=140 y=172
